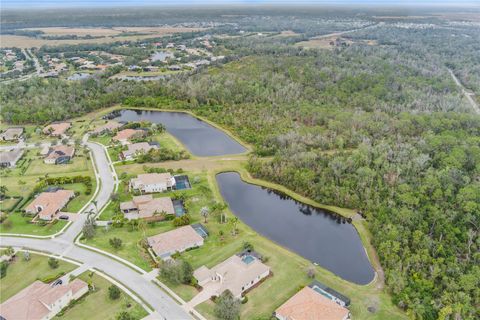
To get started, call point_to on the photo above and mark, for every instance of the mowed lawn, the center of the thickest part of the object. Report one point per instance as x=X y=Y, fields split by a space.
x=23 y=225
x=97 y=305
x=21 y=273
x=79 y=163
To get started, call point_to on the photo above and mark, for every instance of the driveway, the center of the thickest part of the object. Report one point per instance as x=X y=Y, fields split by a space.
x=209 y=290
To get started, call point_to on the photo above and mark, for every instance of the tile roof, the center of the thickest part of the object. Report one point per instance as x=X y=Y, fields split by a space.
x=11 y=156
x=153 y=178
x=30 y=303
x=132 y=149
x=175 y=240
x=60 y=151
x=147 y=206
x=109 y=126
x=57 y=128
x=50 y=202
x=12 y=133
x=307 y=304
x=127 y=134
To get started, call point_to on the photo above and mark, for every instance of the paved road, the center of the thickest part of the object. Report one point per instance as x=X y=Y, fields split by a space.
x=148 y=291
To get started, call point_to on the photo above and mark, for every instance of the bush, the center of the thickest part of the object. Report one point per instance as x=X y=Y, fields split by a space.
x=53 y=263
x=227 y=307
x=116 y=243
x=181 y=221
x=124 y=315
x=114 y=292
x=3 y=269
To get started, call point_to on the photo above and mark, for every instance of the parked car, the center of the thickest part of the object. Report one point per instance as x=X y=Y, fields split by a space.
x=64 y=217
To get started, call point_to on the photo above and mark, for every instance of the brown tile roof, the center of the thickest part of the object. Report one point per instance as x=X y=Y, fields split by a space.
x=147 y=206
x=132 y=149
x=50 y=202
x=127 y=134
x=109 y=126
x=307 y=304
x=57 y=128
x=59 y=151
x=175 y=240
x=29 y=304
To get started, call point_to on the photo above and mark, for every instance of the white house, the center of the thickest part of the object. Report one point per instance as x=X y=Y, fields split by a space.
x=153 y=182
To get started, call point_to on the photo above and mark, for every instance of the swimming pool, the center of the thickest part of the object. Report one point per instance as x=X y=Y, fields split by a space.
x=182 y=182
x=248 y=259
x=178 y=207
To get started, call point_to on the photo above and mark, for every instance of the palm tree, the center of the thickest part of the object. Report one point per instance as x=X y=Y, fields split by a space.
x=234 y=223
x=204 y=212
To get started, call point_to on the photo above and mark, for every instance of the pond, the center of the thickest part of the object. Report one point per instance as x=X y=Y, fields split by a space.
x=200 y=138
x=319 y=236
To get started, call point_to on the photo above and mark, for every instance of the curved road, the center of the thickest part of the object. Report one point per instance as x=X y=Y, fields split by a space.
x=64 y=246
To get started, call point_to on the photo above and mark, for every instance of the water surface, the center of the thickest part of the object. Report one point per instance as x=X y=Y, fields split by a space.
x=318 y=236
x=200 y=138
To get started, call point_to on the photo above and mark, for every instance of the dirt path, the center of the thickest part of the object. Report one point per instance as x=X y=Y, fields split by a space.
x=469 y=95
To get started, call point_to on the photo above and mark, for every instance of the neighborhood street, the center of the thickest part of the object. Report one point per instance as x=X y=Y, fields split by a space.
x=64 y=246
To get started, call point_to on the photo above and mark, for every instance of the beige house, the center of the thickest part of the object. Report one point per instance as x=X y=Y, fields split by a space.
x=178 y=240
x=135 y=149
x=59 y=154
x=308 y=304
x=142 y=207
x=110 y=126
x=12 y=134
x=123 y=136
x=57 y=129
x=236 y=274
x=153 y=182
x=48 y=204
x=9 y=159
x=41 y=301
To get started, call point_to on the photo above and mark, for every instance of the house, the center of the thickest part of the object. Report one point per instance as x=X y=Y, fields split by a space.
x=12 y=134
x=8 y=159
x=123 y=136
x=57 y=129
x=48 y=204
x=137 y=148
x=310 y=304
x=178 y=240
x=42 y=301
x=59 y=154
x=146 y=206
x=237 y=274
x=110 y=126
x=153 y=182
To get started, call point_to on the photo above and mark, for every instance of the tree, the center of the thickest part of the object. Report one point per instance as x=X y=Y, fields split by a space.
x=204 y=211
x=227 y=307
x=115 y=242
x=3 y=269
x=186 y=272
x=3 y=191
x=9 y=251
x=26 y=255
x=53 y=263
x=234 y=222
x=89 y=227
x=311 y=272
x=114 y=292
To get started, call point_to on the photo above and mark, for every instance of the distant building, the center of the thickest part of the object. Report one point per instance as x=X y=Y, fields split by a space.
x=236 y=274
x=12 y=134
x=310 y=304
x=144 y=207
x=59 y=154
x=123 y=136
x=42 y=301
x=8 y=159
x=110 y=126
x=57 y=129
x=177 y=240
x=135 y=149
x=48 y=204
x=153 y=182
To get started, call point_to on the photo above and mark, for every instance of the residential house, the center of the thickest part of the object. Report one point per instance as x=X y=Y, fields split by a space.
x=48 y=204
x=144 y=207
x=41 y=301
x=135 y=149
x=57 y=129
x=8 y=159
x=153 y=182
x=178 y=240
x=237 y=274
x=310 y=304
x=59 y=154
x=110 y=126
x=12 y=134
x=123 y=136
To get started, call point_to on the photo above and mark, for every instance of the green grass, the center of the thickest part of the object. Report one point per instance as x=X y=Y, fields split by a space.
x=7 y=204
x=23 y=225
x=79 y=163
x=79 y=201
x=21 y=273
x=97 y=305
x=185 y=292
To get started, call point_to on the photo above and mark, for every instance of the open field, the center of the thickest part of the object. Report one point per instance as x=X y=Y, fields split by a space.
x=104 y=36
x=21 y=273
x=97 y=305
x=326 y=43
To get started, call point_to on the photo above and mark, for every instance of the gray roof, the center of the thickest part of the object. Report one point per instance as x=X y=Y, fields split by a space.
x=11 y=156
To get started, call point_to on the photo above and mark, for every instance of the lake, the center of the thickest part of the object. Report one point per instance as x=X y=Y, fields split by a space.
x=315 y=234
x=200 y=138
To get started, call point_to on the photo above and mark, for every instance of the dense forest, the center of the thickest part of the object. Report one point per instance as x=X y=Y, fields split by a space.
x=380 y=128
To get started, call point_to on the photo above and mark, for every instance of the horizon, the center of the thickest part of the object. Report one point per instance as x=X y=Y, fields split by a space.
x=58 y=4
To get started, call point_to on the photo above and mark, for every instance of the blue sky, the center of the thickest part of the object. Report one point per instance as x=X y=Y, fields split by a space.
x=118 y=3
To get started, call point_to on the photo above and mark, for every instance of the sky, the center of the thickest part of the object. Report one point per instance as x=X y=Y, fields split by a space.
x=25 y=4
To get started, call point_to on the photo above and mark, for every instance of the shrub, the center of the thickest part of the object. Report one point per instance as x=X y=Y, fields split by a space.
x=3 y=269
x=116 y=243
x=181 y=221
x=53 y=263
x=114 y=292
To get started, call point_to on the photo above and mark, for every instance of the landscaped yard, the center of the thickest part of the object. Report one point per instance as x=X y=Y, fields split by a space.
x=79 y=163
x=21 y=273
x=23 y=225
x=98 y=306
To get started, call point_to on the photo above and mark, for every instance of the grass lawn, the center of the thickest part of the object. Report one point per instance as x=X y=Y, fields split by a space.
x=79 y=201
x=7 y=204
x=23 y=225
x=97 y=305
x=79 y=163
x=185 y=292
x=21 y=273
